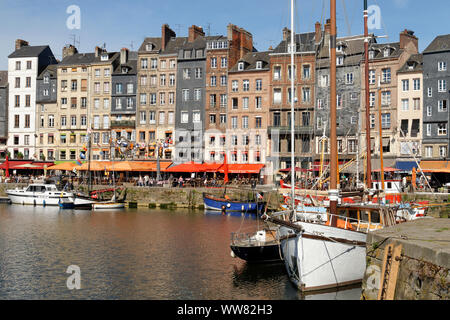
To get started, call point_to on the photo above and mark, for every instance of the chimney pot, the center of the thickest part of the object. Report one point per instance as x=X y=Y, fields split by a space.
x=21 y=43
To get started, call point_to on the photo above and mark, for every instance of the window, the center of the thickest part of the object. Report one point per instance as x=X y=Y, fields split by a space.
x=386 y=75
x=290 y=72
x=429 y=111
x=245 y=122
x=442 y=66
x=246 y=85
x=106 y=72
x=235 y=85
x=130 y=88
x=245 y=103
x=223 y=100
x=277 y=73
x=234 y=103
x=405 y=85
x=258 y=122
x=340 y=61
x=162 y=98
x=73 y=103
x=198 y=73
x=171 y=97
x=184 y=117
x=213 y=62
x=258 y=102
x=212 y=118
x=240 y=66
x=171 y=80
x=372 y=99
x=258 y=85
x=258 y=140
x=245 y=140
x=386 y=120
x=212 y=100
x=185 y=94
x=416 y=84
x=223 y=81
x=324 y=82
x=73 y=121
x=386 y=52
x=349 y=78
x=162 y=117
x=234 y=122
x=416 y=102
x=213 y=81
x=442 y=129
x=428 y=129
x=259 y=65
x=372 y=77
x=276 y=119
x=105 y=122
x=27 y=100
x=186 y=74
x=405 y=104
x=152 y=99
x=442 y=85
x=442 y=105
x=306 y=94
x=152 y=117
x=319 y=104
x=224 y=62
x=154 y=63
x=83 y=120
x=143 y=99
x=17 y=82
x=306 y=72
x=277 y=96
x=372 y=121
x=223 y=118
x=430 y=92
x=197 y=94
x=442 y=151
x=172 y=64
x=27 y=121
x=51 y=121
x=17 y=65
x=429 y=152
x=196 y=117
x=142 y=117
x=28 y=82
x=29 y=65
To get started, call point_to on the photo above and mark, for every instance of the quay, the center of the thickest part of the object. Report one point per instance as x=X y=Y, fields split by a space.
x=409 y=261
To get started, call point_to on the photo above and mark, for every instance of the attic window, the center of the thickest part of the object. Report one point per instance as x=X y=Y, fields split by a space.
x=240 y=66
x=340 y=48
x=291 y=48
x=371 y=54
x=124 y=70
x=386 y=52
x=149 y=47
x=104 y=57
x=258 y=64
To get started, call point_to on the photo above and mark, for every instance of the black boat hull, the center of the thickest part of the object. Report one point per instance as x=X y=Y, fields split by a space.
x=268 y=253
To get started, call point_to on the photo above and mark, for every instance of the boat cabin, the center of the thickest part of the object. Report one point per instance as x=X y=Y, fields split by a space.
x=42 y=188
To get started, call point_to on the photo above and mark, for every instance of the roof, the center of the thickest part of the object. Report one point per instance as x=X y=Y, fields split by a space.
x=439 y=44
x=155 y=41
x=413 y=64
x=250 y=60
x=87 y=58
x=28 y=51
x=131 y=64
x=305 y=43
x=3 y=78
x=379 y=50
x=51 y=70
x=174 y=45
x=353 y=51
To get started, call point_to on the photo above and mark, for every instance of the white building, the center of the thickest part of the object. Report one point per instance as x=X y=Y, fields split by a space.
x=24 y=65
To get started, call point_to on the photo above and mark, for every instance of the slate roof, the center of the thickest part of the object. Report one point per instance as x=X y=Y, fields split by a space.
x=353 y=51
x=155 y=41
x=51 y=69
x=379 y=50
x=305 y=43
x=250 y=60
x=3 y=78
x=87 y=58
x=28 y=52
x=414 y=64
x=131 y=63
x=439 y=44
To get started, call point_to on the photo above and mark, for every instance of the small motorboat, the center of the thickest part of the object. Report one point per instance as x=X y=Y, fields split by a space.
x=261 y=247
x=107 y=205
x=225 y=204
x=38 y=194
x=66 y=203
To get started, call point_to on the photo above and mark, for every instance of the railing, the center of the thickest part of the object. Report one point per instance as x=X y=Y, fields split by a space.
x=123 y=123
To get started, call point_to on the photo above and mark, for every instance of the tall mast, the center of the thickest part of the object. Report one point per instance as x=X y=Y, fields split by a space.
x=293 y=47
x=333 y=192
x=367 y=93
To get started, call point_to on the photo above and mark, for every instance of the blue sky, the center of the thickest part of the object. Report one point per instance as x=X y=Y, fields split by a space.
x=126 y=23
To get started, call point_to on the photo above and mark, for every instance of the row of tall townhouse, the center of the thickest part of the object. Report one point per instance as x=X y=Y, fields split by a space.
x=199 y=98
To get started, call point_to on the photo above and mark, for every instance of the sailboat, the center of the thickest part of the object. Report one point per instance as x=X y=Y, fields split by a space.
x=328 y=254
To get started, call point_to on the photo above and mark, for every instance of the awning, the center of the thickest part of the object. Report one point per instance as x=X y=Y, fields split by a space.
x=243 y=168
x=406 y=165
x=386 y=169
x=435 y=166
x=26 y=165
x=94 y=166
x=64 y=166
x=137 y=166
x=195 y=167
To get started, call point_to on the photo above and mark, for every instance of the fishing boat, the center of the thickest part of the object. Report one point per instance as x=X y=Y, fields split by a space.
x=261 y=247
x=226 y=204
x=39 y=195
x=107 y=205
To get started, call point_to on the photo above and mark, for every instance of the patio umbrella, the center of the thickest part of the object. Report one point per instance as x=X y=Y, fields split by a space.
x=28 y=166
x=64 y=166
x=7 y=167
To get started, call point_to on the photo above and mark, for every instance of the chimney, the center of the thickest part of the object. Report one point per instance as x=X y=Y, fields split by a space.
x=318 y=32
x=286 y=33
x=195 y=32
x=123 y=56
x=21 y=43
x=407 y=36
x=328 y=27
x=98 y=51
x=69 y=51
x=166 y=35
x=246 y=43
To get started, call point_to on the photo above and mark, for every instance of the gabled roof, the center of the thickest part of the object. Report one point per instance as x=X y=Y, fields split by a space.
x=28 y=52
x=305 y=43
x=379 y=49
x=353 y=50
x=155 y=41
x=131 y=64
x=439 y=44
x=78 y=59
x=51 y=70
x=414 y=64
x=250 y=60
x=174 y=45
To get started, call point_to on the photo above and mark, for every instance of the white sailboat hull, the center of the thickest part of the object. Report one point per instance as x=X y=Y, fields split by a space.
x=324 y=257
x=37 y=199
x=106 y=205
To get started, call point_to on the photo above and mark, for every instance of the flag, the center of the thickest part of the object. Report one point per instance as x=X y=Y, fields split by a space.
x=225 y=168
x=79 y=162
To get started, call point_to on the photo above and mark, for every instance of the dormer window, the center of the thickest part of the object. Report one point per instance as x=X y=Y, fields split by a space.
x=386 y=52
x=104 y=57
x=124 y=70
x=46 y=79
x=291 y=48
x=240 y=66
x=149 y=47
x=372 y=54
x=258 y=65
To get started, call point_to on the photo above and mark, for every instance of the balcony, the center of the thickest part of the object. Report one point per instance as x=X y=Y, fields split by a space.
x=123 y=124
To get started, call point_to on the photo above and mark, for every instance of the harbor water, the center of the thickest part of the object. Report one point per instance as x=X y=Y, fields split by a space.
x=135 y=254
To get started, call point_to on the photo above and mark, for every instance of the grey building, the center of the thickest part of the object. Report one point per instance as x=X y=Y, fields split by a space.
x=46 y=84
x=190 y=99
x=349 y=53
x=3 y=112
x=436 y=96
x=123 y=96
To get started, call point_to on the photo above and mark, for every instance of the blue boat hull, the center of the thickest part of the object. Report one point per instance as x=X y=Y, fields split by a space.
x=212 y=203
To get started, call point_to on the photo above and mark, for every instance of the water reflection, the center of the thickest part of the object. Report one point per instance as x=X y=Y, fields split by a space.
x=131 y=254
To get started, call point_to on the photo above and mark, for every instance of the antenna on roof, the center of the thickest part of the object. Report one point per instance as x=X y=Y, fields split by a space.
x=178 y=28
x=75 y=42
x=208 y=28
x=131 y=46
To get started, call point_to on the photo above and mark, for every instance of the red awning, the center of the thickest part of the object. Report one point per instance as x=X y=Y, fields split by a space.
x=21 y=165
x=387 y=169
x=194 y=167
x=243 y=168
